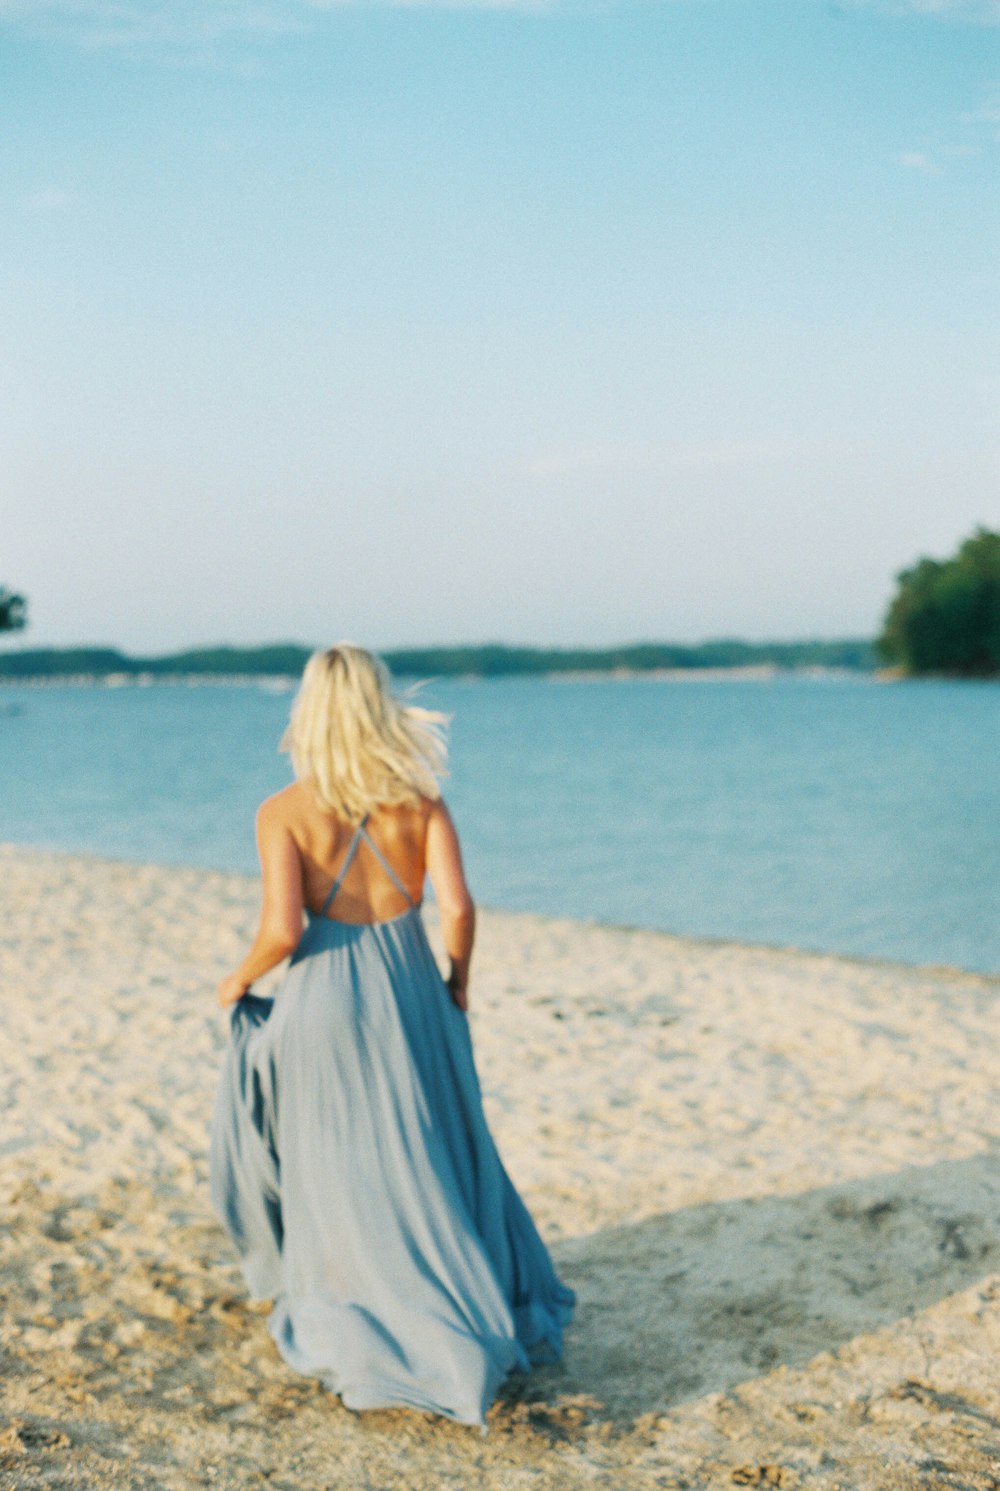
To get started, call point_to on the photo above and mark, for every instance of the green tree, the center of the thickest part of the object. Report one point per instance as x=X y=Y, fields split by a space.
x=945 y=615
x=13 y=611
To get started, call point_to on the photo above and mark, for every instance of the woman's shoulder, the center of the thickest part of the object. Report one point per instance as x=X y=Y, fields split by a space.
x=282 y=806
x=425 y=810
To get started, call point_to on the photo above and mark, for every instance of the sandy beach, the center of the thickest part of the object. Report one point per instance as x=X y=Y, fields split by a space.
x=772 y=1178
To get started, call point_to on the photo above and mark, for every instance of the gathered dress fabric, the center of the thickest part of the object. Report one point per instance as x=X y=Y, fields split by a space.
x=352 y=1166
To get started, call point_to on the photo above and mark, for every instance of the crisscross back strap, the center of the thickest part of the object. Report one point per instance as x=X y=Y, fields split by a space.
x=387 y=867
x=361 y=833
x=346 y=863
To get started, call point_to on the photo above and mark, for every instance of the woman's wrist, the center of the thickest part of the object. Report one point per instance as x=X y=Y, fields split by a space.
x=232 y=988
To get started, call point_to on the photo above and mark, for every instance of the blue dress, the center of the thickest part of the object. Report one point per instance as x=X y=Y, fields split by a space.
x=352 y=1166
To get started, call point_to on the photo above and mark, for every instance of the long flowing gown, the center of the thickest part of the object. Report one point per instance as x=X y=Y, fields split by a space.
x=352 y=1166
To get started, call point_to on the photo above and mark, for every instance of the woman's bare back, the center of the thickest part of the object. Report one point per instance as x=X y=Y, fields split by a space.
x=367 y=892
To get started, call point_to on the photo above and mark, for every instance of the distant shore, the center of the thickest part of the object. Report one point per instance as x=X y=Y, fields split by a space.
x=283 y=683
x=277 y=662
x=279 y=683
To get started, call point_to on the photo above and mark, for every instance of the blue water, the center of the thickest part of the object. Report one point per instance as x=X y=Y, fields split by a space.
x=839 y=815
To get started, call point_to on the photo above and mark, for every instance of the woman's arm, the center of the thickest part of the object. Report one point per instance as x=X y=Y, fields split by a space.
x=281 y=908
x=458 y=913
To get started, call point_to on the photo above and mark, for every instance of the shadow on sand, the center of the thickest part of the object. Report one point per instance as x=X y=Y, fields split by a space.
x=695 y=1301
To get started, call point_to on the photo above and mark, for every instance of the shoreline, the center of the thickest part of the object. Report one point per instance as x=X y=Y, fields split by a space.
x=770 y=1176
x=680 y=939
x=285 y=682
x=282 y=683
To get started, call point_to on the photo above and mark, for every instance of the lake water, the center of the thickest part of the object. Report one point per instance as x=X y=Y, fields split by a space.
x=834 y=814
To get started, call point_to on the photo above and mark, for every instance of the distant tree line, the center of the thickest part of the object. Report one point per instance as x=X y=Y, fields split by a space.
x=945 y=615
x=100 y=662
x=495 y=660
x=490 y=661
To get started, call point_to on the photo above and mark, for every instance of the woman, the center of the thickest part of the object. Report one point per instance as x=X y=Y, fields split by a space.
x=351 y=1161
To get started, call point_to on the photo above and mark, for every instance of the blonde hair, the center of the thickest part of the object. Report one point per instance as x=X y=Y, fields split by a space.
x=358 y=745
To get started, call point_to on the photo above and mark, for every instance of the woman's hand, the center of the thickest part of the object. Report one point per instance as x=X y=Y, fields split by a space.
x=231 y=990
x=458 y=990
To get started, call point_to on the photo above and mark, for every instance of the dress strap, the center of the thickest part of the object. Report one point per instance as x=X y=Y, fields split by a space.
x=387 y=867
x=352 y=850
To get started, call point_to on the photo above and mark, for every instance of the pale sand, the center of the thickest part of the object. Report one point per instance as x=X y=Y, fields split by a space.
x=770 y=1176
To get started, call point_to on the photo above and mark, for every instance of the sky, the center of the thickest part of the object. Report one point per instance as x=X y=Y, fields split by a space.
x=565 y=323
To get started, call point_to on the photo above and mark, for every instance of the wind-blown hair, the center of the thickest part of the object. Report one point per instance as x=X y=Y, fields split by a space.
x=356 y=743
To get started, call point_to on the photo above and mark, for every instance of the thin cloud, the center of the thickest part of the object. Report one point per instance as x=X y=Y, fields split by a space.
x=981 y=128
x=986 y=119
x=984 y=12
x=978 y=12
x=140 y=24
x=52 y=199
x=968 y=12
x=919 y=160
x=194 y=24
